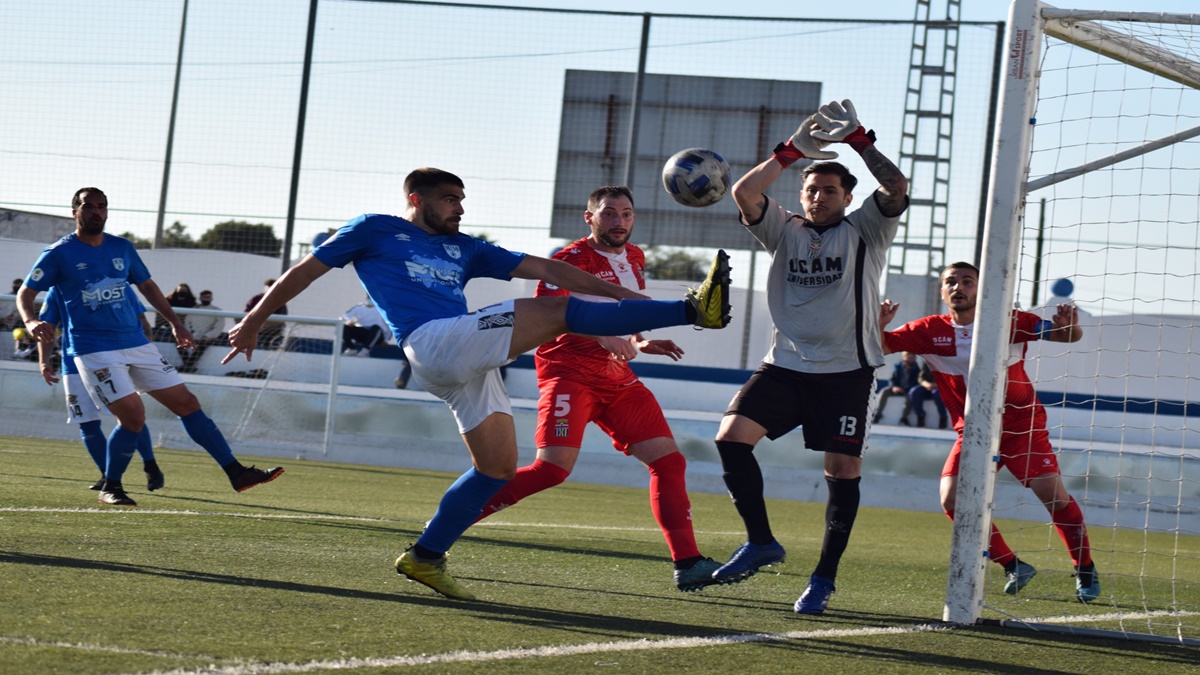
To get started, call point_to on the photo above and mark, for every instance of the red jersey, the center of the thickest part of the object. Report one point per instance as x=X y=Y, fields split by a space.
x=583 y=359
x=946 y=347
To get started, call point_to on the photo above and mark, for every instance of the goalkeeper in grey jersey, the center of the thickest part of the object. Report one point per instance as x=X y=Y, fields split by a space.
x=823 y=295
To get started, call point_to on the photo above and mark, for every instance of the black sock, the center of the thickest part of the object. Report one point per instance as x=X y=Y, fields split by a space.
x=744 y=480
x=840 y=512
x=689 y=312
x=686 y=563
x=423 y=553
x=233 y=468
x=1011 y=565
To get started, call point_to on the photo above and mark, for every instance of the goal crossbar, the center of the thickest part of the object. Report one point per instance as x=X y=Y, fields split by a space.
x=1125 y=48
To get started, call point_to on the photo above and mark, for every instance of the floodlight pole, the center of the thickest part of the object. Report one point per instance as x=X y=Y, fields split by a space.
x=293 y=192
x=635 y=108
x=166 y=179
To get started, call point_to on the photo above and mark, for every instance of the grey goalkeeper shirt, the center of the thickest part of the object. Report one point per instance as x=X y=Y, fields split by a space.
x=823 y=287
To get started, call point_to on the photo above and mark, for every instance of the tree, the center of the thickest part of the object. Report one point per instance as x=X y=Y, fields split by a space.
x=242 y=237
x=176 y=236
x=137 y=241
x=674 y=264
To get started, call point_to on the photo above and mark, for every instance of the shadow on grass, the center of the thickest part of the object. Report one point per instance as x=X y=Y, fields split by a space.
x=618 y=627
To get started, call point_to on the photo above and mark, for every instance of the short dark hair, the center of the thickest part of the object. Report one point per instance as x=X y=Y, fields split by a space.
x=77 y=199
x=607 y=191
x=205 y=292
x=849 y=182
x=960 y=265
x=422 y=180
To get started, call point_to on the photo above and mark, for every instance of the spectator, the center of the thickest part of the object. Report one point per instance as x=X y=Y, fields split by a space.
x=9 y=317
x=207 y=330
x=905 y=375
x=925 y=390
x=364 y=328
x=271 y=334
x=180 y=297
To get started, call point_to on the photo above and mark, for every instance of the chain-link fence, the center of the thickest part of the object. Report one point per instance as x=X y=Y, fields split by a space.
x=214 y=90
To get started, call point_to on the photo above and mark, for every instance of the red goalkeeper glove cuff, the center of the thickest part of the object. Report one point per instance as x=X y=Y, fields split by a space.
x=787 y=154
x=860 y=139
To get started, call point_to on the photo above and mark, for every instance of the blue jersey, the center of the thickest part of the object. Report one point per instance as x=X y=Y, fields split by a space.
x=93 y=282
x=53 y=312
x=414 y=276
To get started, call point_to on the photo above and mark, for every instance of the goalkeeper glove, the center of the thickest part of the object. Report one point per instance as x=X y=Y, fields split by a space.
x=802 y=145
x=838 y=123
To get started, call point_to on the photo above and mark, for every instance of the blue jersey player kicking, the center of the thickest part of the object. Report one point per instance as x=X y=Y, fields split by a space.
x=414 y=268
x=92 y=271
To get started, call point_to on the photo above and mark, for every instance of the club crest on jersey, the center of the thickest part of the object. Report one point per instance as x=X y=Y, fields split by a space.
x=561 y=429
x=453 y=250
x=101 y=374
x=119 y=263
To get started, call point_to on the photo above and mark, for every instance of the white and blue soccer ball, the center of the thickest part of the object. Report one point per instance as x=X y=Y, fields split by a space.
x=696 y=177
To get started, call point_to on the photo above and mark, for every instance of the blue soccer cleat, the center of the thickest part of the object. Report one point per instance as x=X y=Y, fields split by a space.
x=1020 y=575
x=815 y=597
x=1087 y=583
x=746 y=561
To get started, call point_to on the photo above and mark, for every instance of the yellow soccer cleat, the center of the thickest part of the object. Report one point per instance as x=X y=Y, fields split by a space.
x=711 y=298
x=431 y=574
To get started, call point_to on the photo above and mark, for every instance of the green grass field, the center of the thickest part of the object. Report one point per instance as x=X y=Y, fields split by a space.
x=297 y=576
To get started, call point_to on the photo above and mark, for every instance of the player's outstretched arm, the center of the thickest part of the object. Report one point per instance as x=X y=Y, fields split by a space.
x=1066 y=325
x=887 y=312
x=243 y=337
x=571 y=278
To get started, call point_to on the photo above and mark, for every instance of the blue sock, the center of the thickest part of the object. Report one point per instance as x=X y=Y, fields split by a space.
x=145 y=446
x=461 y=505
x=95 y=442
x=205 y=432
x=121 y=446
x=626 y=316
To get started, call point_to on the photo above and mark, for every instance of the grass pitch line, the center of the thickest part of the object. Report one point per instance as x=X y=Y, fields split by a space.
x=33 y=642
x=543 y=652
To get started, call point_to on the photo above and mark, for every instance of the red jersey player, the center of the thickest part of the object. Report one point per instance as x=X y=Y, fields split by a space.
x=584 y=379
x=944 y=340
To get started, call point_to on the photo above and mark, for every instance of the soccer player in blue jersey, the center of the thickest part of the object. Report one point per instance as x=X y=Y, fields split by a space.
x=414 y=268
x=93 y=272
x=81 y=409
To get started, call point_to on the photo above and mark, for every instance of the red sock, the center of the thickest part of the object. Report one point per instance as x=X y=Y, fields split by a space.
x=998 y=549
x=529 y=480
x=670 y=504
x=1069 y=523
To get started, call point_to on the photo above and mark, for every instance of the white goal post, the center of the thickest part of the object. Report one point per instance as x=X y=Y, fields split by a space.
x=1153 y=272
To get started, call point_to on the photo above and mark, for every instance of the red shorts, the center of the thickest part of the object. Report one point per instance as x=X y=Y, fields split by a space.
x=628 y=414
x=1025 y=455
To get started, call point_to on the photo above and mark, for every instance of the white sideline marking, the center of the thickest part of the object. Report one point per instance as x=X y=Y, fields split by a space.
x=322 y=516
x=33 y=642
x=536 y=652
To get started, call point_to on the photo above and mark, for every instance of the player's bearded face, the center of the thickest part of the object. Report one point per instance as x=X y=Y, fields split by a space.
x=612 y=221
x=442 y=213
x=92 y=214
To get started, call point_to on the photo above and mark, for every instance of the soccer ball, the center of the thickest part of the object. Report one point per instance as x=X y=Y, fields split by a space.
x=696 y=177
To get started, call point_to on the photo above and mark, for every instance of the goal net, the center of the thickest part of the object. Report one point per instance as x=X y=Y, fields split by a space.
x=1095 y=201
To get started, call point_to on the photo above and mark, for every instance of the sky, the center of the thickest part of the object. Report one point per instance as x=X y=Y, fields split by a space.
x=397 y=86
x=972 y=10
